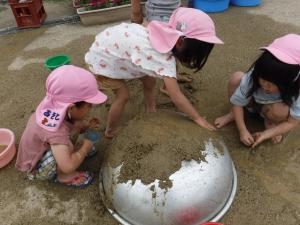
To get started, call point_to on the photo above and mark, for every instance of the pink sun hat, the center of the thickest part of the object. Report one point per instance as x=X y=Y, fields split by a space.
x=188 y=22
x=65 y=86
x=286 y=48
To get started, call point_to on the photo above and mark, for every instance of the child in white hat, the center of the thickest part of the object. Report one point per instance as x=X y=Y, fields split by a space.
x=131 y=51
x=270 y=88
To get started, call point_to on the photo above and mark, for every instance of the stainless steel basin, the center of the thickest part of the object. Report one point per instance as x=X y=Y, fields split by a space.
x=201 y=191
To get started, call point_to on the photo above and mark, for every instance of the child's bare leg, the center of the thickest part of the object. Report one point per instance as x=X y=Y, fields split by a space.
x=136 y=12
x=233 y=83
x=275 y=114
x=149 y=94
x=115 y=111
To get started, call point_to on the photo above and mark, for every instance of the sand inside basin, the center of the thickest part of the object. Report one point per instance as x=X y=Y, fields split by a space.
x=150 y=148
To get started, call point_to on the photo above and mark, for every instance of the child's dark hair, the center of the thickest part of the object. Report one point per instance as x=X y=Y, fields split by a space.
x=194 y=53
x=283 y=75
x=77 y=105
x=80 y=104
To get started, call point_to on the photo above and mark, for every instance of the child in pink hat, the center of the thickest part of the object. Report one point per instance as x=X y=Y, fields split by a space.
x=159 y=10
x=270 y=88
x=45 y=150
x=131 y=51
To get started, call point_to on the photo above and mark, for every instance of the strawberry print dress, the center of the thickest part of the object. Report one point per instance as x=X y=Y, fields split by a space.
x=124 y=52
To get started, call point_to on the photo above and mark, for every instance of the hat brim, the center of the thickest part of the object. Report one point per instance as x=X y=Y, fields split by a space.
x=211 y=39
x=97 y=99
x=163 y=38
x=281 y=55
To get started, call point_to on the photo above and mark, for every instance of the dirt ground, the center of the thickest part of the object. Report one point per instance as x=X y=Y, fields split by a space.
x=268 y=177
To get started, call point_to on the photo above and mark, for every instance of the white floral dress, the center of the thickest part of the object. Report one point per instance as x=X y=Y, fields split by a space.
x=124 y=52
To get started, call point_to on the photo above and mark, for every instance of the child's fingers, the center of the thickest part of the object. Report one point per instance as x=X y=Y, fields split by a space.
x=251 y=139
x=257 y=141
x=217 y=124
x=94 y=120
x=94 y=123
x=255 y=144
x=210 y=127
x=248 y=141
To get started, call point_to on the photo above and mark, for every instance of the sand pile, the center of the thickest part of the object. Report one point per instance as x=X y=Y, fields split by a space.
x=151 y=148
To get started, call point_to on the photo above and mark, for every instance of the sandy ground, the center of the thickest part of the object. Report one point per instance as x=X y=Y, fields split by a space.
x=268 y=177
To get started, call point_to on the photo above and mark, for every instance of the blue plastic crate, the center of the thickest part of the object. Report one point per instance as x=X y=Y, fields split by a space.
x=211 y=5
x=245 y=2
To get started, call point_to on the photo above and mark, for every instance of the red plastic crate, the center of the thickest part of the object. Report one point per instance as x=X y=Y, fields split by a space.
x=30 y=13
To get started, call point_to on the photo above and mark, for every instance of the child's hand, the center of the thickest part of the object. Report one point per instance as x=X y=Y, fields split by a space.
x=203 y=123
x=86 y=146
x=81 y=126
x=259 y=137
x=246 y=138
x=94 y=123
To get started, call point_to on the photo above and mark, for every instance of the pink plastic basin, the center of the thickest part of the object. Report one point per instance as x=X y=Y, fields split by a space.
x=7 y=138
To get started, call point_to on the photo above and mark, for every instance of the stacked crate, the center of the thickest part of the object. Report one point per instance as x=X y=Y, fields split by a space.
x=28 y=13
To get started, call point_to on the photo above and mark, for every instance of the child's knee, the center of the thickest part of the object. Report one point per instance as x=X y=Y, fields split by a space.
x=235 y=79
x=276 y=112
x=123 y=96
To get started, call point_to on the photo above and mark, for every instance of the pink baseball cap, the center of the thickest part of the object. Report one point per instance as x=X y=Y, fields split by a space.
x=286 y=48
x=65 y=86
x=188 y=22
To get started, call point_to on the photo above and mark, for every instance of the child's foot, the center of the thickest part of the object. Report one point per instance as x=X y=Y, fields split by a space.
x=268 y=124
x=110 y=133
x=78 y=179
x=277 y=139
x=224 y=120
x=184 y=77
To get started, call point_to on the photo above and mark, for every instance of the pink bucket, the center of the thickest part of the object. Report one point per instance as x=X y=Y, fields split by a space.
x=7 y=138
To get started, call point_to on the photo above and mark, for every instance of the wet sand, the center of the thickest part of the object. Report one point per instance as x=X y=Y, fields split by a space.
x=268 y=177
x=2 y=148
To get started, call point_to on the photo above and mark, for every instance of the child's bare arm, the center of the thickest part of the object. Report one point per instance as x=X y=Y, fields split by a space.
x=136 y=12
x=245 y=136
x=68 y=160
x=280 y=129
x=183 y=104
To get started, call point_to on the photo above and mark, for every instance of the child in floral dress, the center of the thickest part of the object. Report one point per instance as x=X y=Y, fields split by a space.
x=131 y=51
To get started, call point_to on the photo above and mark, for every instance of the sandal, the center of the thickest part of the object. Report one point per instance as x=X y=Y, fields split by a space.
x=82 y=180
